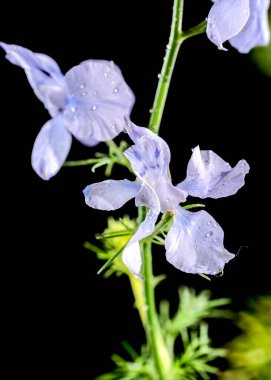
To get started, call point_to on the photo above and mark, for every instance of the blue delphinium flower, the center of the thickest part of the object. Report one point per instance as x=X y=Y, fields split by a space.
x=194 y=243
x=243 y=22
x=89 y=102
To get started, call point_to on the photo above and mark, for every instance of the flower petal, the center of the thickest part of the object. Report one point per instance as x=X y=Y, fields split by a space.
x=208 y=175
x=131 y=255
x=110 y=194
x=136 y=133
x=51 y=148
x=150 y=158
x=43 y=75
x=256 y=31
x=194 y=244
x=100 y=99
x=226 y=19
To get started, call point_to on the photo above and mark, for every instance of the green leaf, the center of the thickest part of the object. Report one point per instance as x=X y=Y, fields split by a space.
x=110 y=260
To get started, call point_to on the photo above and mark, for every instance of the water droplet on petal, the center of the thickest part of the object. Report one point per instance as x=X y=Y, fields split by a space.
x=73 y=109
x=114 y=127
x=209 y=223
x=84 y=93
x=95 y=93
x=207 y=235
x=94 y=107
x=82 y=86
x=105 y=74
x=116 y=90
x=159 y=75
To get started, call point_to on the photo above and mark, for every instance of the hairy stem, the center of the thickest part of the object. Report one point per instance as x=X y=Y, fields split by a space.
x=169 y=62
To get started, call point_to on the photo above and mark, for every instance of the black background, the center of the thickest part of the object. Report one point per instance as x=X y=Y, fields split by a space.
x=61 y=319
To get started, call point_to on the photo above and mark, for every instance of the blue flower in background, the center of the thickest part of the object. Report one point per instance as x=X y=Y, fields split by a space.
x=194 y=243
x=89 y=102
x=243 y=22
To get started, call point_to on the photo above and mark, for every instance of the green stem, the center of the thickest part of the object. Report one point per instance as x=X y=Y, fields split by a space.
x=169 y=62
x=89 y=161
x=195 y=31
x=159 y=351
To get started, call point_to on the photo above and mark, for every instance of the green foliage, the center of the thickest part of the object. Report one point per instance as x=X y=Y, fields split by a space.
x=187 y=340
x=113 y=241
x=249 y=353
x=108 y=160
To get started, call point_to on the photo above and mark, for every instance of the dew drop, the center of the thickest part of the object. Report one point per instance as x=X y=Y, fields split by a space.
x=95 y=93
x=84 y=93
x=116 y=90
x=94 y=107
x=114 y=127
x=214 y=225
x=209 y=223
x=82 y=86
x=73 y=109
x=105 y=74
x=159 y=75
x=207 y=235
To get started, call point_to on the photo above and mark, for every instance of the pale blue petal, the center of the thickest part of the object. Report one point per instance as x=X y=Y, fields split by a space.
x=163 y=196
x=208 y=175
x=226 y=19
x=43 y=75
x=110 y=194
x=99 y=102
x=131 y=255
x=149 y=158
x=256 y=31
x=136 y=133
x=194 y=243
x=51 y=148
x=148 y=197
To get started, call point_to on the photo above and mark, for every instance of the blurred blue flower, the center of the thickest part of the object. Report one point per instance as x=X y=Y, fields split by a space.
x=89 y=102
x=194 y=243
x=243 y=22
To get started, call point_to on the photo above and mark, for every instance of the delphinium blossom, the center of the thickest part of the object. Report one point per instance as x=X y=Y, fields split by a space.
x=243 y=22
x=194 y=243
x=88 y=102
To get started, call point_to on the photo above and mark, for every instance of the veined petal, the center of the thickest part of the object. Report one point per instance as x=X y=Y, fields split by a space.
x=99 y=102
x=194 y=244
x=161 y=147
x=51 y=148
x=43 y=75
x=208 y=175
x=256 y=31
x=110 y=194
x=149 y=157
x=131 y=255
x=226 y=19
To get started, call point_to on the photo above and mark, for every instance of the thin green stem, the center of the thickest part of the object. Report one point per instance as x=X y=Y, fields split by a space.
x=89 y=161
x=169 y=62
x=195 y=31
x=158 y=349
